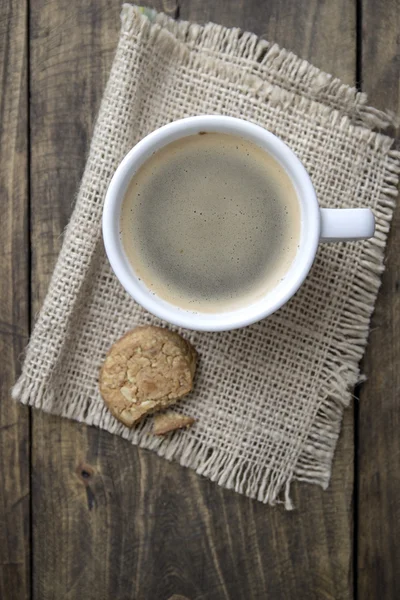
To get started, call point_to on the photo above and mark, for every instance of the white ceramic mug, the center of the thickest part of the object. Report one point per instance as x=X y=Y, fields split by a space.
x=317 y=224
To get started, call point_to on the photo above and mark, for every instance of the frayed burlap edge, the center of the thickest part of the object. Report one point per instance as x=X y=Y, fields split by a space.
x=243 y=49
x=341 y=372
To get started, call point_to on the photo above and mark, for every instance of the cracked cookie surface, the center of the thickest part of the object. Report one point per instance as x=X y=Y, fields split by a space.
x=146 y=370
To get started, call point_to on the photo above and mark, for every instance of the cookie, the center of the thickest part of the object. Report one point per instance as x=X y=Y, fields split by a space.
x=170 y=421
x=146 y=370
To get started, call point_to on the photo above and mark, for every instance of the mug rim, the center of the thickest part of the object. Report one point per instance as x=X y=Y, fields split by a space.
x=273 y=299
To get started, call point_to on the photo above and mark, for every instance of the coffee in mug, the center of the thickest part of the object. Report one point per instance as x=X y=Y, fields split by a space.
x=210 y=222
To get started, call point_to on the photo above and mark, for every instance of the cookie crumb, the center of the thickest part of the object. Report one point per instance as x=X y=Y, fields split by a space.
x=171 y=421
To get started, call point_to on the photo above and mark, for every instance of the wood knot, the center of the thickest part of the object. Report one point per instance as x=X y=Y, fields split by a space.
x=85 y=472
x=171 y=7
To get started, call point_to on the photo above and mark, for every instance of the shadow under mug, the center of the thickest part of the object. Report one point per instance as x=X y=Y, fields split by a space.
x=317 y=224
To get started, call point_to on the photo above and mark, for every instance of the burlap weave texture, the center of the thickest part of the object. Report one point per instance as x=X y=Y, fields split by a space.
x=269 y=398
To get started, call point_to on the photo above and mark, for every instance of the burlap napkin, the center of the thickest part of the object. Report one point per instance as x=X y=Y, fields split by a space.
x=269 y=398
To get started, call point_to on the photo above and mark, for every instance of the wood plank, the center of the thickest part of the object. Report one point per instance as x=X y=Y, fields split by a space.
x=379 y=407
x=71 y=49
x=120 y=522
x=319 y=31
x=319 y=533
x=14 y=309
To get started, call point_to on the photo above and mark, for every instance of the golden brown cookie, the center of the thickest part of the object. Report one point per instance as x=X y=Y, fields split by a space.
x=170 y=421
x=146 y=370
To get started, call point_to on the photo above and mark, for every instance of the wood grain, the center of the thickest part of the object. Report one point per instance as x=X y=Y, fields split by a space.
x=320 y=31
x=379 y=407
x=14 y=302
x=118 y=522
x=71 y=50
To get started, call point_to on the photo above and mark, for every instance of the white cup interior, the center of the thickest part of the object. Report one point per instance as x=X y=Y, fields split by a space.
x=274 y=298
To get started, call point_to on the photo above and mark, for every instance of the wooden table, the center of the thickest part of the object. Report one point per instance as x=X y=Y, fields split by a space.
x=84 y=514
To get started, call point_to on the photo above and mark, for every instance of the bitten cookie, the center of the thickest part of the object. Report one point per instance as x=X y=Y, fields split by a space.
x=146 y=370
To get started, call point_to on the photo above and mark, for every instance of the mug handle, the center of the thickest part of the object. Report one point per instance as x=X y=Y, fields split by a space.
x=346 y=224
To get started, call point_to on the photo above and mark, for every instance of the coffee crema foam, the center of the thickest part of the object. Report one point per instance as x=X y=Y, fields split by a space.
x=210 y=223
